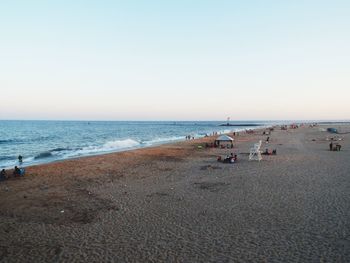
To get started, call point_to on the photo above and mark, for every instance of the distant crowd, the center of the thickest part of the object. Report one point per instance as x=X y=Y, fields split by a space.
x=17 y=171
x=228 y=159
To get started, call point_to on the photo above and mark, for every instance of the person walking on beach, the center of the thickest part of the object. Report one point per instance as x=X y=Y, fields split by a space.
x=331 y=146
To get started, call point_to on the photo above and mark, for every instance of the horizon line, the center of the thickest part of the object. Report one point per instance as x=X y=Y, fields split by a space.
x=250 y=120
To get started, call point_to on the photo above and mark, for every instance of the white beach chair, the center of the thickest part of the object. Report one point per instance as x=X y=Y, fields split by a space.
x=255 y=153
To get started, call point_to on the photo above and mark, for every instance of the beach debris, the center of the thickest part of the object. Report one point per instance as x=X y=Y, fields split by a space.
x=44 y=187
x=62 y=211
x=334 y=138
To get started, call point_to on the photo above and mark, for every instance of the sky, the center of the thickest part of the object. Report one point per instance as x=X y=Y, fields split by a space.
x=175 y=60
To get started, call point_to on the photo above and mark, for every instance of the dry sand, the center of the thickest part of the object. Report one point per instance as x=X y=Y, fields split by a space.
x=176 y=203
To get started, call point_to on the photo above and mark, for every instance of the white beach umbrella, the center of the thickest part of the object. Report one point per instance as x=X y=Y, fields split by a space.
x=224 y=138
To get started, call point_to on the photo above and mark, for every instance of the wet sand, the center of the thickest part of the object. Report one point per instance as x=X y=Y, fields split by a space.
x=176 y=203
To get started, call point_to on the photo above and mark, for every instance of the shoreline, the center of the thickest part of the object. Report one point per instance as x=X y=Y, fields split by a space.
x=53 y=159
x=175 y=202
x=34 y=163
x=150 y=147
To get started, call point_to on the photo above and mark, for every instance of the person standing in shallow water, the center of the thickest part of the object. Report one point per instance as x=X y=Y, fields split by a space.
x=20 y=159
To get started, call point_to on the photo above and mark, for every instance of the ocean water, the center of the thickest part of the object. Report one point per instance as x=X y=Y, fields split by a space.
x=47 y=141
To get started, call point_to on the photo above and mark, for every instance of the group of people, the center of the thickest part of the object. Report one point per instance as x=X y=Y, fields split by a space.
x=334 y=147
x=189 y=137
x=232 y=158
x=17 y=172
x=267 y=152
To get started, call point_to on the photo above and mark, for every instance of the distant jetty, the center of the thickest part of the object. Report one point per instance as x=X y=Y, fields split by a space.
x=228 y=124
x=240 y=124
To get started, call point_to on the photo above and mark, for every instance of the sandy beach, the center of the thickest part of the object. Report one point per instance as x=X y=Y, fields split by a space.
x=176 y=203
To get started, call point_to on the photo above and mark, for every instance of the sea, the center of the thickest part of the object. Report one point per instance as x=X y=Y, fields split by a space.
x=41 y=142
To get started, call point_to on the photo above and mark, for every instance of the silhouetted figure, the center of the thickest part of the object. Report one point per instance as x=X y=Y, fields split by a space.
x=331 y=146
x=16 y=172
x=3 y=175
x=20 y=159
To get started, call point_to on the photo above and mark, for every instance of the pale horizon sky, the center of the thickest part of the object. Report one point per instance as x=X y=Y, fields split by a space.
x=178 y=60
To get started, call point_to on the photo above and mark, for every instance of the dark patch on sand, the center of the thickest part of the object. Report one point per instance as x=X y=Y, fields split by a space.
x=211 y=186
x=80 y=207
x=159 y=194
x=3 y=252
x=166 y=169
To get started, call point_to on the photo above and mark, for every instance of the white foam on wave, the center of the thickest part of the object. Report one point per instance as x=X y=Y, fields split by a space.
x=106 y=147
x=12 y=163
x=242 y=129
x=162 y=140
x=120 y=144
x=226 y=131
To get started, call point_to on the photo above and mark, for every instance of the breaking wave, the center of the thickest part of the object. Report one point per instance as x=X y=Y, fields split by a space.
x=43 y=155
x=120 y=144
x=60 y=149
x=162 y=140
x=11 y=141
x=109 y=146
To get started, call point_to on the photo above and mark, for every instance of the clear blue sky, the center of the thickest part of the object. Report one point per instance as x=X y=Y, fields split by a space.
x=175 y=60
